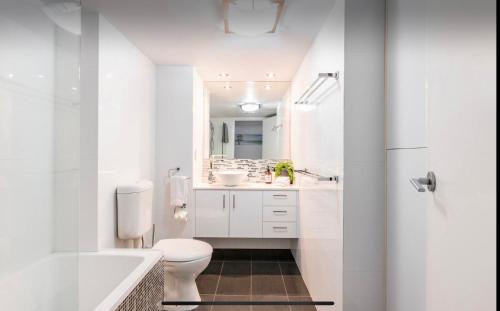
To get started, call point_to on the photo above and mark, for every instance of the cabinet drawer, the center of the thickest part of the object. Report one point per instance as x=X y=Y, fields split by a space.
x=280 y=198
x=280 y=230
x=280 y=213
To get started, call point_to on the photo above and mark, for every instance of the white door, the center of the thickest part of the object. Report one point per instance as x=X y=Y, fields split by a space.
x=456 y=237
x=461 y=101
x=246 y=214
x=212 y=213
x=406 y=231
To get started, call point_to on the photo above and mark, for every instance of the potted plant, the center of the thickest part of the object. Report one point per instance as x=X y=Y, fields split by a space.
x=285 y=168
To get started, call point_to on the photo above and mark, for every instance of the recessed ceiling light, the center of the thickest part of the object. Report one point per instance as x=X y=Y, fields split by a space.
x=271 y=75
x=223 y=75
x=10 y=76
x=250 y=107
x=227 y=87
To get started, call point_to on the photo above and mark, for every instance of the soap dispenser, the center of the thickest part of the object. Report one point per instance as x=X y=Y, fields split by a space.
x=268 y=176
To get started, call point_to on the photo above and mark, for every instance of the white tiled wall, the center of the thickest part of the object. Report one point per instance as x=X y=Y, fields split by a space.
x=174 y=144
x=364 y=183
x=317 y=144
x=39 y=129
x=126 y=124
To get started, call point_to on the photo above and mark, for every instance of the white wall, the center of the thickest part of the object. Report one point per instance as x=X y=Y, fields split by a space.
x=406 y=154
x=126 y=123
x=200 y=114
x=38 y=141
x=317 y=144
x=39 y=156
x=87 y=216
x=174 y=144
x=67 y=140
x=364 y=184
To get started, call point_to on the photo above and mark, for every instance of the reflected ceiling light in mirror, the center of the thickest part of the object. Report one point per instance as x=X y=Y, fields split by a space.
x=252 y=17
x=250 y=107
x=268 y=87
x=227 y=87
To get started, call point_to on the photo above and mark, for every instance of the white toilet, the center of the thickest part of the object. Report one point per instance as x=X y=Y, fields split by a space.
x=184 y=259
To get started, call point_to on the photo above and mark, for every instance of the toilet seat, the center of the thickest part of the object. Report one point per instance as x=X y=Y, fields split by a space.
x=183 y=250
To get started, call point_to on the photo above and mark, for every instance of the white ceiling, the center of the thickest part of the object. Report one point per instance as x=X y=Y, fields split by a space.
x=225 y=102
x=191 y=32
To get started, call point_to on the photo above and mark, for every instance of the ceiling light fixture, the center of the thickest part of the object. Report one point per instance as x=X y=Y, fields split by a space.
x=271 y=75
x=252 y=17
x=268 y=87
x=227 y=87
x=250 y=107
x=223 y=75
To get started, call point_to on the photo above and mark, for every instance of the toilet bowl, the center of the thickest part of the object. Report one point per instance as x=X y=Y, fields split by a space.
x=184 y=260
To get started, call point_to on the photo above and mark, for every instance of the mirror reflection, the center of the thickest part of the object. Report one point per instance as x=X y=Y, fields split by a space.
x=248 y=120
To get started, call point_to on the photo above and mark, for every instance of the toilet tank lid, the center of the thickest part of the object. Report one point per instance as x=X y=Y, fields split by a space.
x=140 y=186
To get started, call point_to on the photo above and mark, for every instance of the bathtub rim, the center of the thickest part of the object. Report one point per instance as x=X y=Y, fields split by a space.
x=118 y=294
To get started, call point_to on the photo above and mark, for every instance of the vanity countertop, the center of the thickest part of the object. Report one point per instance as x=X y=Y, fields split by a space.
x=245 y=186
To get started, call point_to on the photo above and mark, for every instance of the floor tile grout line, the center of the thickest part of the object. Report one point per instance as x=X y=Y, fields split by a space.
x=251 y=280
x=217 y=286
x=284 y=285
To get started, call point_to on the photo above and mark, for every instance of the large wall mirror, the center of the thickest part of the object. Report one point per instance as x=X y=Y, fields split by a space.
x=249 y=120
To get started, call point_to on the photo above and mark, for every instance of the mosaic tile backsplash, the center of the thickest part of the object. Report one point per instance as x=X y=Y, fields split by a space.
x=256 y=168
x=148 y=294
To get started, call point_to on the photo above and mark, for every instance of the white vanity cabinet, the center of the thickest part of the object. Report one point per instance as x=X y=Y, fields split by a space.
x=246 y=213
x=212 y=213
x=245 y=216
x=280 y=214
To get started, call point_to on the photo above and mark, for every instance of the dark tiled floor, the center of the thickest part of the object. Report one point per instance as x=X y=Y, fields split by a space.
x=252 y=275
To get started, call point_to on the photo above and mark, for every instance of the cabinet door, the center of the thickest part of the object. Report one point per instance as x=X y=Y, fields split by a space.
x=212 y=213
x=246 y=214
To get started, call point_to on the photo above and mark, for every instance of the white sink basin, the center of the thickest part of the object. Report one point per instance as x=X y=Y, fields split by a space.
x=231 y=178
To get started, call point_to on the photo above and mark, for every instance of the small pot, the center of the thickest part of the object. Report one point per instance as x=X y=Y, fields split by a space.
x=284 y=173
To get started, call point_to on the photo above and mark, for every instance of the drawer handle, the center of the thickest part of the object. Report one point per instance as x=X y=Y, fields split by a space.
x=280 y=229
x=224 y=201
x=280 y=212
x=280 y=196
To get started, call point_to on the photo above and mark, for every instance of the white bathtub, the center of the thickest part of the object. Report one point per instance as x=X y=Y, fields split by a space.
x=107 y=277
x=84 y=281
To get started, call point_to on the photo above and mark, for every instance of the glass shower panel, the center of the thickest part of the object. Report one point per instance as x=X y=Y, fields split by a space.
x=39 y=154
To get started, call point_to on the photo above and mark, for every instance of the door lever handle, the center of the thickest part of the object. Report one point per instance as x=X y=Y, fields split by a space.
x=429 y=181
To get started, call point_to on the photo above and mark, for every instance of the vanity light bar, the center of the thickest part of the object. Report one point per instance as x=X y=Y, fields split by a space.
x=322 y=77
